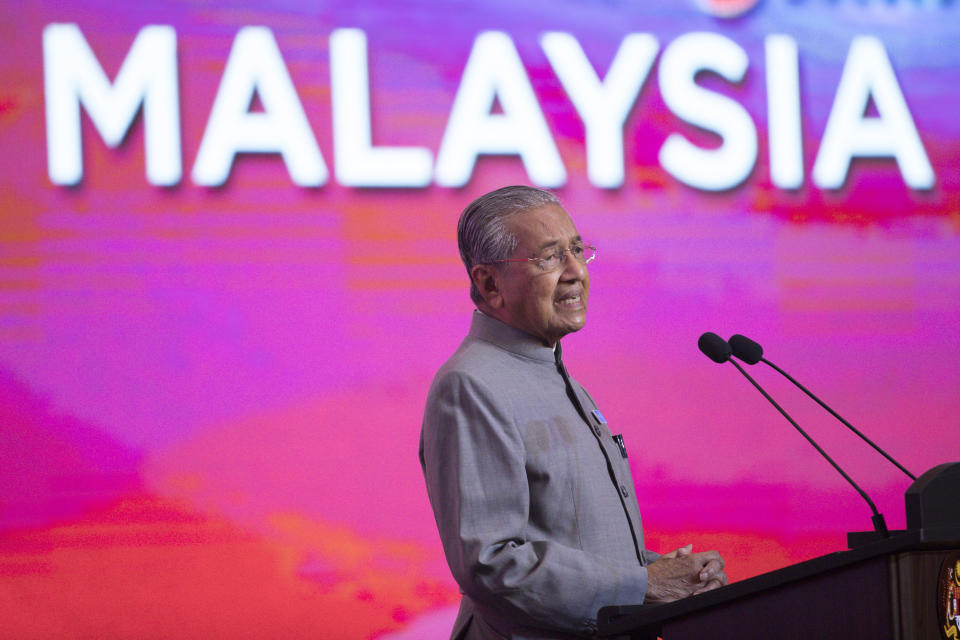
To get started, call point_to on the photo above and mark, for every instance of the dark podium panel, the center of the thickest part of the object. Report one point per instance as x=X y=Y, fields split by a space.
x=885 y=590
x=882 y=588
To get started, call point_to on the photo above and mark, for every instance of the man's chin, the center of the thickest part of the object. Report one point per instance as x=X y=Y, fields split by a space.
x=572 y=325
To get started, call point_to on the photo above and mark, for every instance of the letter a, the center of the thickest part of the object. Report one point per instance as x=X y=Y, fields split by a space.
x=494 y=71
x=849 y=133
x=255 y=65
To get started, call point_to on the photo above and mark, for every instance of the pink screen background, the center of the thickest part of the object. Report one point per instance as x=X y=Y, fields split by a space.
x=210 y=398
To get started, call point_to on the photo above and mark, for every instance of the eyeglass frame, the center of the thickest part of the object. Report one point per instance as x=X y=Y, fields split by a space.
x=563 y=258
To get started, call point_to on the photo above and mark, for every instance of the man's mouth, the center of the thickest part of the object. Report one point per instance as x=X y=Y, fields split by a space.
x=570 y=300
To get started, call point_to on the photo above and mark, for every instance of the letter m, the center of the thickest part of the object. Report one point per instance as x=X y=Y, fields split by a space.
x=148 y=76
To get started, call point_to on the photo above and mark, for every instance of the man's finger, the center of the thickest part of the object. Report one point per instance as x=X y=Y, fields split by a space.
x=682 y=551
x=712 y=569
x=707 y=556
x=710 y=586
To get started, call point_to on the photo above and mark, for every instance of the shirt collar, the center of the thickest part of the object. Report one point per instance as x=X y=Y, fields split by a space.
x=483 y=327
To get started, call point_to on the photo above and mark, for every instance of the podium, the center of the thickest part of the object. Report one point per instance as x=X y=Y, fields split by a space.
x=881 y=588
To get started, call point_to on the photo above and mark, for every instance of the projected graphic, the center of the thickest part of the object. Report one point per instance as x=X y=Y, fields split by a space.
x=229 y=273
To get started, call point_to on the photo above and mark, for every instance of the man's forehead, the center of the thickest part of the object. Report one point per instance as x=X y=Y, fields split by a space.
x=543 y=227
x=553 y=242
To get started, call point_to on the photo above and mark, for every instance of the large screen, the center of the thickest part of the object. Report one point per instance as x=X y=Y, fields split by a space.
x=229 y=273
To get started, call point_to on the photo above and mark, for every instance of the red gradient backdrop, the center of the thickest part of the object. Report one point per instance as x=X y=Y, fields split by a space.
x=210 y=396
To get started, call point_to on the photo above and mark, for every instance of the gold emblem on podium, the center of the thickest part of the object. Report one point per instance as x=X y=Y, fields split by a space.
x=948 y=597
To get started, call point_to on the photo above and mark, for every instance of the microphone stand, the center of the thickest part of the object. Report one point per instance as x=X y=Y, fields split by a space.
x=879 y=524
x=837 y=416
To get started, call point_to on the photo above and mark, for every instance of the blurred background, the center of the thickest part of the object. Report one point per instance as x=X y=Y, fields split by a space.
x=228 y=272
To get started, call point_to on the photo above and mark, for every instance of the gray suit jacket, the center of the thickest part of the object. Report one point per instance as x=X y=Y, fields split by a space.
x=535 y=506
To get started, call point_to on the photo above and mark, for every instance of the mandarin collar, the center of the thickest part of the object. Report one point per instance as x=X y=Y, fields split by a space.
x=521 y=343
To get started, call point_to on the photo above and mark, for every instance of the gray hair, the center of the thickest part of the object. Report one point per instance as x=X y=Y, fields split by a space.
x=482 y=235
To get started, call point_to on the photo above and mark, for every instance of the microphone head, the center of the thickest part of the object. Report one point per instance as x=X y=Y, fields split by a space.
x=746 y=349
x=714 y=347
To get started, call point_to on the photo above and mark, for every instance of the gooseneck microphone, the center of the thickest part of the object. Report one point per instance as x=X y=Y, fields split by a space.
x=719 y=350
x=751 y=352
x=715 y=347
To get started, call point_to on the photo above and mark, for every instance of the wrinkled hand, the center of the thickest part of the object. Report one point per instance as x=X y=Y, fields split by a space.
x=682 y=573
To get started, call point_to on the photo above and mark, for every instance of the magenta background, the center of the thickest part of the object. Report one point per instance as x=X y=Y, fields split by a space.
x=211 y=397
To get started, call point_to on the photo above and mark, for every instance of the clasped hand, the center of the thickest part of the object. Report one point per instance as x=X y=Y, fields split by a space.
x=682 y=573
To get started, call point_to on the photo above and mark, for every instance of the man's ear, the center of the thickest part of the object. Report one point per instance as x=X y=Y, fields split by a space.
x=487 y=280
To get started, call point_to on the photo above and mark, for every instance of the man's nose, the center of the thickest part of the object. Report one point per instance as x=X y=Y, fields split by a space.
x=573 y=269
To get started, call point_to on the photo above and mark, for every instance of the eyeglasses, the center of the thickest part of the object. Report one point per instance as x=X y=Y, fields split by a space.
x=558 y=257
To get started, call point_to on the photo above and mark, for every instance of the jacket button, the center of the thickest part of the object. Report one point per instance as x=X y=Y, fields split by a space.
x=623 y=491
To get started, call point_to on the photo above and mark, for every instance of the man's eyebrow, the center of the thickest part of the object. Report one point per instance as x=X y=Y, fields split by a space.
x=553 y=243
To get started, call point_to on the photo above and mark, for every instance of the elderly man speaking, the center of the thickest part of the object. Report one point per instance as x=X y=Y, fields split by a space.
x=532 y=494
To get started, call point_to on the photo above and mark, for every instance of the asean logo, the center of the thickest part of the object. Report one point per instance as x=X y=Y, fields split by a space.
x=725 y=8
x=948 y=597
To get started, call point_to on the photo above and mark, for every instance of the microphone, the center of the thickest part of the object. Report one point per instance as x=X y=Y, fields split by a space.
x=745 y=349
x=714 y=347
x=710 y=346
x=750 y=352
